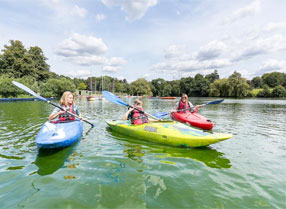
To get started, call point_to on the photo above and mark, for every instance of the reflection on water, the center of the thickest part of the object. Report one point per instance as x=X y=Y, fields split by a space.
x=134 y=150
x=50 y=160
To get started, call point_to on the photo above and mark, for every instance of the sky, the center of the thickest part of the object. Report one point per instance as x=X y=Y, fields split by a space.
x=150 y=39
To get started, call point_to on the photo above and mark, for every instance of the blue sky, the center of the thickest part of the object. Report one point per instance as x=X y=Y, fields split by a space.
x=150 y=39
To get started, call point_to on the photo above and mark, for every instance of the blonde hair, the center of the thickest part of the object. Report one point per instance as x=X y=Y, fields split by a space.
x=64 y=98
x=137 y=100
x=185 y=95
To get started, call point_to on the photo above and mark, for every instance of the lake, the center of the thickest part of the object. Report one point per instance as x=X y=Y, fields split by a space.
x=108 y=170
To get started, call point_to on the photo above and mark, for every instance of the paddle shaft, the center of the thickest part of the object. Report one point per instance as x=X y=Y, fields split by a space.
x=69 y=112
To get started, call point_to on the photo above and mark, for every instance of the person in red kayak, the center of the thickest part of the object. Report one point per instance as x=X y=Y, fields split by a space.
x=137 y=117
x=67 y=102
x=185 y=105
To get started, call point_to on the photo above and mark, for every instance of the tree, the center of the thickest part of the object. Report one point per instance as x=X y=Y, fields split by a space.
x=167 y=91
x=256 y=82
x=39 y=62
x=81 y=86
x=279 y=91
x=265 y=92
x=213 y=76
x=158 y=86
x=16 y=61
x=238 y=85
x=201 y=86
x=56 y=87
x=140 y=87
x=273 y=79
x=220 y=88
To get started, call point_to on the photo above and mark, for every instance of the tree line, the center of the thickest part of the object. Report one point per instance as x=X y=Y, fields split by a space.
x=29 y=67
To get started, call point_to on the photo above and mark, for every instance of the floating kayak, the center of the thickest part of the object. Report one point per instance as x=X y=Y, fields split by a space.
x=57 y=135
x=193 y=119
x=168 y=97
x=168 y=132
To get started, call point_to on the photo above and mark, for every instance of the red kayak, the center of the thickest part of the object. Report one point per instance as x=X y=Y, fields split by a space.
x=193 y=119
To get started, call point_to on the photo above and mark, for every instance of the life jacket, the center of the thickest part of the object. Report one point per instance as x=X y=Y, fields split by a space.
x=67 y=117
x=139 y=117
x=183 y=107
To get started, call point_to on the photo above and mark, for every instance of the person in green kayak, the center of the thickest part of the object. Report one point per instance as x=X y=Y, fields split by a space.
x=136 y=114
x=67 y=102
x=184 y=105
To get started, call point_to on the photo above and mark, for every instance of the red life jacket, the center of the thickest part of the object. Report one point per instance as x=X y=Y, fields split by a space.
x=182 y=106
x=139 y=117
x=67 y=117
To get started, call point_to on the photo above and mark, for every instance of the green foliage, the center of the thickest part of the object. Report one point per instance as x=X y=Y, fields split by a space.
x=81 y=86
x=8 y=89
x=158 y=86
x=274 y=79
x=56 y=87
x=19 y=62
x=279 y=91
x=238 y=86
x=213 y=76
x=256 y=82
x=266 y=92
x=140 y=87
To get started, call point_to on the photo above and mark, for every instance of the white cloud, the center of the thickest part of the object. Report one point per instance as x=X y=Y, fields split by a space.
x=88 y=60
x=271 y=66
x=77 y=11
x=100 y=17
x=134 y=9
x=260 y=46
x=212 y=50
x=79 y=74
x=110 y=69
x=274 y=26
x=115 y=61
x=79 y=45
x=249 y=10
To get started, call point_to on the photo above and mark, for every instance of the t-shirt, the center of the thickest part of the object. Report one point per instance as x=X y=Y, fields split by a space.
x=58 y=109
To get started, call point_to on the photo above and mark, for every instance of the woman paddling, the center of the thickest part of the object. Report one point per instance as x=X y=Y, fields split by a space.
x=136 y=114
x=184 y=105
x=68 y=103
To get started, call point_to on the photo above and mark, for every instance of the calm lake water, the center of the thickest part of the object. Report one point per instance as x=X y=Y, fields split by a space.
x=108 y=170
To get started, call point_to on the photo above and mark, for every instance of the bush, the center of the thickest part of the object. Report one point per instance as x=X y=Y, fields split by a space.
x=8 y=89
x=279 y=91
x=56 y=87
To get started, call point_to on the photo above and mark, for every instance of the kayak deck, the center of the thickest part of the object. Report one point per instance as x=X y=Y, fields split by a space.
x=59 y=135
x=193 y=119
x=168 y=132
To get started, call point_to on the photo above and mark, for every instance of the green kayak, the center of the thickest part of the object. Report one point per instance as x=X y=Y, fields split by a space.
x=168 y=132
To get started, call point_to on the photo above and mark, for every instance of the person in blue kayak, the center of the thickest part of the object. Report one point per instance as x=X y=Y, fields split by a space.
x=184 y=105
x=67 y=102
x=137 y=116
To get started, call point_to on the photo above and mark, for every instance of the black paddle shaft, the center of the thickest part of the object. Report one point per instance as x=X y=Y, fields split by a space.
x=70 y=113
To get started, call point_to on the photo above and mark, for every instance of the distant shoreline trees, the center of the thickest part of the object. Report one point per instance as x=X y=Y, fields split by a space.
x=29 y=67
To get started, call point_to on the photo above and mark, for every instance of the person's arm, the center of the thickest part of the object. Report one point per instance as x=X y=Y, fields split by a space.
x=125 y=117
x=55 y=113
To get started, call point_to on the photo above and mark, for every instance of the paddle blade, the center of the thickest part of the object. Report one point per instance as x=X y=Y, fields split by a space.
x=25 y=88
x=160 y=115
x=113 y=98
x=215 y=102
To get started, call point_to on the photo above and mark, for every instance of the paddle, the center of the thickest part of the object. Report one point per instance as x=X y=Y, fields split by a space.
x=163 y=114
x=114 y=99
x=25 y=88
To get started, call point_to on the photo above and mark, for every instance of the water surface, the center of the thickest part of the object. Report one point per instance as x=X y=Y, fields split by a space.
x=108 y=170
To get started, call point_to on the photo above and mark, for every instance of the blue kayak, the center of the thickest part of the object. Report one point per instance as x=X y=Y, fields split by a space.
x=57 y=135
